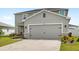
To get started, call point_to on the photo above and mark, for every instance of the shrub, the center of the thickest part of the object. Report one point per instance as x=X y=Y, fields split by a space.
x=12 y=34
x=64 y=39
x=70 y=34
x=15 y=36
x=78 y=39
x=69 y=38
x=1 y=32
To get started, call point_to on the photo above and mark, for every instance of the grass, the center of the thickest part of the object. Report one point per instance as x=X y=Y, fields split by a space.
x=70 y=47
x=6 y=40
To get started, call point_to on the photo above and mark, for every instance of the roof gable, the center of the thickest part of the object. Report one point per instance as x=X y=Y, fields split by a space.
x=43 y=11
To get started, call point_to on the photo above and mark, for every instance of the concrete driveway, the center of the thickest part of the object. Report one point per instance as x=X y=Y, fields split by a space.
x=33 y=45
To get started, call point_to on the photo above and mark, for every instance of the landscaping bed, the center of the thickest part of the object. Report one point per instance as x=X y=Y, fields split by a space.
x=69 y=43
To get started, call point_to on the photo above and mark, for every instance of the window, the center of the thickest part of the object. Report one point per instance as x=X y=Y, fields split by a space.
x=44 y=15
x=24 y=17
x=61 y=12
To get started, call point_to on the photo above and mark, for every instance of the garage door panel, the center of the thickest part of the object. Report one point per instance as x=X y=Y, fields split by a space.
x=35 y=32
x=52 y=31
x=45 y=31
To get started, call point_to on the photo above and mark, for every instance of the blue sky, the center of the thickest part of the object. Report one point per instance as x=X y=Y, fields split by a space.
x=7 y=15
x=74 y=14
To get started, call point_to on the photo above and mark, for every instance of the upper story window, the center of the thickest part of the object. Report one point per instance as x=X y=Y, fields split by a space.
x=25 y=16
x=62 y=12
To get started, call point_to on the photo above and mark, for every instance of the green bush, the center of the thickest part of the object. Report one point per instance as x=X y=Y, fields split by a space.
x=12 y=34
x=64 y=39
x=15 y=36
x=78 y=39
x=1 y=32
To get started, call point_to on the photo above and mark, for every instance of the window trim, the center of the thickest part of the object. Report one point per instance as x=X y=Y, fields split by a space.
x=60 y=11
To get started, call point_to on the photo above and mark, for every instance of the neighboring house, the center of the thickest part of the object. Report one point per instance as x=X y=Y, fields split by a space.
x=74 y=29
x=43 y=23
x=7 y=29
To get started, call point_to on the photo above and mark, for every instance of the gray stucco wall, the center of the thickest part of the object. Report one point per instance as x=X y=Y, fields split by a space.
x=18 y=21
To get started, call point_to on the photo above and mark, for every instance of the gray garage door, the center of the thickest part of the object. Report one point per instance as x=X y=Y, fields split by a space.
x=45 y=31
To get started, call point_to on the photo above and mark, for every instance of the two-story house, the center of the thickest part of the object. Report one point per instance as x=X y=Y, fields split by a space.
x=45 y=23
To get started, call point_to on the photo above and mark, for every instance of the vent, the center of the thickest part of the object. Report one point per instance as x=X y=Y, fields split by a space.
x=44 y=15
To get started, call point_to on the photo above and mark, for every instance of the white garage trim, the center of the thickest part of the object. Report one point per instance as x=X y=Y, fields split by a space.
x=47 y=24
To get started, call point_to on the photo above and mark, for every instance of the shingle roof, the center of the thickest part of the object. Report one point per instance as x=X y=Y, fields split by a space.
x=5 y=25
x=37 y=10
x=51 y=9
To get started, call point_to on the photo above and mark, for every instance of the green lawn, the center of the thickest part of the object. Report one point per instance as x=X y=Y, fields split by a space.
x=70 y=47
x=6 y=41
